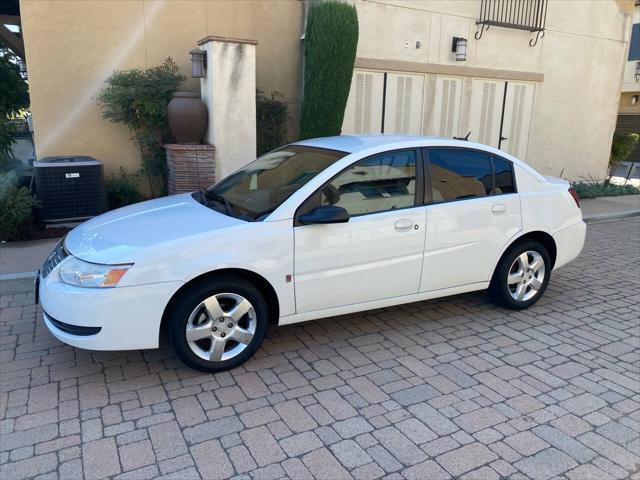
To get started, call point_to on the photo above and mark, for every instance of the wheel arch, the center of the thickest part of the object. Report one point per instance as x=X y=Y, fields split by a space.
x=261 y=283
x=537 y=235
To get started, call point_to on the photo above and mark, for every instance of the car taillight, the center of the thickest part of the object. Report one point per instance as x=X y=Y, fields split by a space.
x=574 y=194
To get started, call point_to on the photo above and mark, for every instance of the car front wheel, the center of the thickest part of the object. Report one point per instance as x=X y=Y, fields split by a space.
x=522 y=276
x=218 y=325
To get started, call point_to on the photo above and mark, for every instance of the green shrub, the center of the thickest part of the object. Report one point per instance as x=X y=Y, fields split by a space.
x=272 y=115
x=603 y=189
x=139 y=99
x=330 y=43
x=122 y=189
x=621 y=148
x=14 y=97
x=16 y=206
x=8 y=162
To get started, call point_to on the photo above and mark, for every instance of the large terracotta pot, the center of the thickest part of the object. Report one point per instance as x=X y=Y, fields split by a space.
x=187 y=117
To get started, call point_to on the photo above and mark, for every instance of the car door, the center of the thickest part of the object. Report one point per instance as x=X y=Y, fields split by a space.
x=378 y=253
x=473 y=210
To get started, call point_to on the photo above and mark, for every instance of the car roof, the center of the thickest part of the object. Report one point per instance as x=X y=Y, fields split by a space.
x=356 y=143
x=371 y=144
x=361 y=146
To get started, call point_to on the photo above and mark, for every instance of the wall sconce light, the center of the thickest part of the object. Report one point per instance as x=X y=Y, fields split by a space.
x=198 y=63
x=634 y=100
x=637 y=75
x=459 y=47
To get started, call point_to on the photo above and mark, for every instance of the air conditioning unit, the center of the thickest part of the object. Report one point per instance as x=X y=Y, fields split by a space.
x=70 y=188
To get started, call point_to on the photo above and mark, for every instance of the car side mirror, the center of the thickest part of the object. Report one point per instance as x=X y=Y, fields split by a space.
x=324 y=215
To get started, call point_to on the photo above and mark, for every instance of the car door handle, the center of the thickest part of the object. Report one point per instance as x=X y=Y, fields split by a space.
x=498 y=209
x=403 y=224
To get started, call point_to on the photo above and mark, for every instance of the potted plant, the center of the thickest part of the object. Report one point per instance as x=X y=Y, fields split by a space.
x=187 y=116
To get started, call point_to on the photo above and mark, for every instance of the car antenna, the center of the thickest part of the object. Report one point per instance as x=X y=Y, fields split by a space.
x=465 y=138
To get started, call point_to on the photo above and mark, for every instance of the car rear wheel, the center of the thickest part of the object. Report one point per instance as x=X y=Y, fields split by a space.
x=522 y=276
x=218 y=325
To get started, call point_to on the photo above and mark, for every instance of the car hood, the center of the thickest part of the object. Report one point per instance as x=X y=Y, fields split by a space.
x=117 y=236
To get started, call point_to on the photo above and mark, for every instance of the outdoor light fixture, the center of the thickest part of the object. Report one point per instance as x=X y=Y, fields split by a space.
x=459 y=47
x=637 y=75
x=198 y=63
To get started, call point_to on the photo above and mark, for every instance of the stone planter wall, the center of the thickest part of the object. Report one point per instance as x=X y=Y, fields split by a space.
x=190 y=167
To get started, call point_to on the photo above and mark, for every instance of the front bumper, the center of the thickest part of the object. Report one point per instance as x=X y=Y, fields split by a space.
x=569 y=243
x=128 y=317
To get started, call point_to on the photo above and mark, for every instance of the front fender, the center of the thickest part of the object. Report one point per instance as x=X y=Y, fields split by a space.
x=264 y=248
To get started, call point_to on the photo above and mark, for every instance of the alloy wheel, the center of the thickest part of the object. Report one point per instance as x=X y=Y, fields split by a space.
x=221 y=327
x=526 y=276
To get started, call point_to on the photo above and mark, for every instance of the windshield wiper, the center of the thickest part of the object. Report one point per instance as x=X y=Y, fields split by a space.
x=262 y=215
x=228 y=208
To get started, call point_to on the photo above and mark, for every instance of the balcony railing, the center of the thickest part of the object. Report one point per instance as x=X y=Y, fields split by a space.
x=527 y=15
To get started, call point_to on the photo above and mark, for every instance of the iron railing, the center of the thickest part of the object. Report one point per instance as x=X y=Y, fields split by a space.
x=530 y=15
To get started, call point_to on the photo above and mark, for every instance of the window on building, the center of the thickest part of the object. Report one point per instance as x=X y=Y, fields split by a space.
x=634 y=46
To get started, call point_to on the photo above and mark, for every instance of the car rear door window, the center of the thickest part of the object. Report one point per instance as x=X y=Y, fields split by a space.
x=458 y=173
x=503 y=176
x=375 y=184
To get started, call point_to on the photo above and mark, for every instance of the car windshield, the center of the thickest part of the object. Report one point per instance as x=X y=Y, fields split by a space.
x=257 y=189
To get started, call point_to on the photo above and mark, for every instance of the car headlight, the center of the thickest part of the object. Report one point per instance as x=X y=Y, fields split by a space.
x=84 y=274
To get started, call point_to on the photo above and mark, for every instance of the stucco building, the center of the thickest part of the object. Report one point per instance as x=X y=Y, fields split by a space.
x=554 y=104
x=629 y=111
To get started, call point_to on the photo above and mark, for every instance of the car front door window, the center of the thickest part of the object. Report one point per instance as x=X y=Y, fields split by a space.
x=375 y=184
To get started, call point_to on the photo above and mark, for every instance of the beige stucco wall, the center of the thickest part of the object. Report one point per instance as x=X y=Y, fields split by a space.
x=72 y=46
x=580 y=58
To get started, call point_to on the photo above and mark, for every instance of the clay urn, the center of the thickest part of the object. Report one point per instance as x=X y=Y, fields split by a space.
x=187 y=116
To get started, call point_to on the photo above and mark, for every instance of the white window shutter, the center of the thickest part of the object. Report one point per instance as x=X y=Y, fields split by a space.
x=517 y=118
x=404 y=104
x=445 y=116
x=485 y=111
x=363 y=113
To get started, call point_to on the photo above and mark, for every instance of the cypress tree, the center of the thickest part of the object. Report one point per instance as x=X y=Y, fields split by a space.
x=331 y=40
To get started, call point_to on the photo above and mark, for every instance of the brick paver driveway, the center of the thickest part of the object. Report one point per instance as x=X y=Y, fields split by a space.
x=450 y=388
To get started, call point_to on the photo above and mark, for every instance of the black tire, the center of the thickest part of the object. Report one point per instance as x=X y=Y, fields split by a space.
x=499 y=290
x=192 y=298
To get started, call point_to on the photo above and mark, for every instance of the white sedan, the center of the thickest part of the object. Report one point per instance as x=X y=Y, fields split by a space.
x=315 y=229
